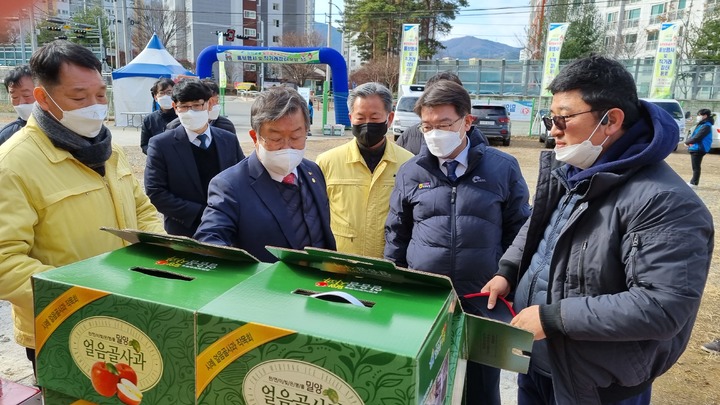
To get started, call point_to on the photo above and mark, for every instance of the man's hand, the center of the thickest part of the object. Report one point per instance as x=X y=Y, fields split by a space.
x=498 y=285
x=529 y=319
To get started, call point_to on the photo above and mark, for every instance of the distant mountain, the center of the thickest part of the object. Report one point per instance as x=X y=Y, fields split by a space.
x=336 y=36
x=471 y=47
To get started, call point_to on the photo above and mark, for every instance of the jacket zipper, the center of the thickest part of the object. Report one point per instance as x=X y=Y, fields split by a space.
x=535 y=276
x=453 y=197
x=581 y=270
x=633 y=252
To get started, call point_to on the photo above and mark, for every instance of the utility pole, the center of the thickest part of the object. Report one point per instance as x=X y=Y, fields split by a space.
x=124 y=30
x=33 y=32
x=102 y=45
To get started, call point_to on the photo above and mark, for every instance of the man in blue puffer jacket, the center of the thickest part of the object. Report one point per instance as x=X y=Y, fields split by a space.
x=456 y=207
x=609 y=270
x=700 y=143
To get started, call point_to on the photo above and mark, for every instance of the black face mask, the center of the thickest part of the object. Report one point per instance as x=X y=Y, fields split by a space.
x=370 y=133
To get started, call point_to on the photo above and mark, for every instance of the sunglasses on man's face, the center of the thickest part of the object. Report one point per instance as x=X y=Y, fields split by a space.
x=559 y=120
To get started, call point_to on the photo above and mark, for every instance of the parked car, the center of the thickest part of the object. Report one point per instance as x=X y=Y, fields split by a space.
x=493 y=120
x=405 y=117
x=546 y=138
x=675 y=110
x=715 y=148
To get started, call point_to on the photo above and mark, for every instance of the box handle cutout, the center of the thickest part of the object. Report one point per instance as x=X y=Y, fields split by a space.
x=335 y=296
x=162 y=274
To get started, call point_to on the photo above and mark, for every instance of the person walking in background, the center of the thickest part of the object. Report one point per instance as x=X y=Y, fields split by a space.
x=214 y=118
x=608 y=272
x=19 y=85
x=182 y=161
x=361 y=173
x=455 y=208
x=61 y=180
x=156 y=122
x=275 y=196
x=699 y=143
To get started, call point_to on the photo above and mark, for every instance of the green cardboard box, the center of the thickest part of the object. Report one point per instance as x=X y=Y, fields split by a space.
x=321 y=327
x=128 y=317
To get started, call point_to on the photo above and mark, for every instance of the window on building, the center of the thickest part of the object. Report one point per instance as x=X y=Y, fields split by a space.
x=250 y=14
x=612 y=19
x=652 y=41
x=249 y=32
x=681 y=4
x=630 y=39
x=276 y=23
x=609 y=41
x=656 y=13
x=614 y=3
x=276 y=38
x=276 y=6
x=632 y=18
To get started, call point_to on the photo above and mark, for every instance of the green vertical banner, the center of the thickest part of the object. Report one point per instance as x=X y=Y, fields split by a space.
x=665 y=63
x=408 y=54
x=551 y=67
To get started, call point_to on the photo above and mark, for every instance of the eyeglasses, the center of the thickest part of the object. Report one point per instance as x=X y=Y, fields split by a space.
x=425 y=128
x=559 y=120
x=194 y=107
x=294 y=142
x=167 y=92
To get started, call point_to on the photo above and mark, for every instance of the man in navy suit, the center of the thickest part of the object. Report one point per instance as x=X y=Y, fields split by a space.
x=275 y=196
x=182 y=161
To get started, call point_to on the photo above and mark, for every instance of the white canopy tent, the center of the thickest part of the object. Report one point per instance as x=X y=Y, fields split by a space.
x=132 y=83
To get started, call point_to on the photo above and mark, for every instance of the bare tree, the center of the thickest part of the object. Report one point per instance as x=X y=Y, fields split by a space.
x=298 y=73
x=382 y=70
x=154 y=17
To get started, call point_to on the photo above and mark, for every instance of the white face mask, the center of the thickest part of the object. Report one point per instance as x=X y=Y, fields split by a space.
x=581 y=155
x=698 y=118
x=193 y=120
x=214 y=112
x=86 y=121
x=23 y=110
x=442 y=143
x=165 y=102
x=280 y=162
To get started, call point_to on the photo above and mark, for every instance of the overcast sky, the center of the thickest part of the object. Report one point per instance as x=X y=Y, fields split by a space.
x=503 y=22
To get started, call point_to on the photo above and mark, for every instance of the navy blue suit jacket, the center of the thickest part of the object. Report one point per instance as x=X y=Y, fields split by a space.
x=245 y=209
x=172 y=180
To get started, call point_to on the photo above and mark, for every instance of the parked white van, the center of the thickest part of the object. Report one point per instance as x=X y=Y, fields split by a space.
x=405 y=117
x=715 y=147
x=675 y=110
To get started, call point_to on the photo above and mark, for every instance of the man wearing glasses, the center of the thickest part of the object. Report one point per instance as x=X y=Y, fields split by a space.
x=155 y=122
x=182 y=161
x=609 y=270
x=456 y=207
x=275 y=196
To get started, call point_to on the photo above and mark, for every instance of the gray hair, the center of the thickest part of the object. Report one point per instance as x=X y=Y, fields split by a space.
x=445 y=92
x=369 y=89
x=275 y=103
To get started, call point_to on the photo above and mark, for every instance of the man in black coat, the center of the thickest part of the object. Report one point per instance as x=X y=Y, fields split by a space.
x=156 y=122
x=215 y=119
x=182 y=161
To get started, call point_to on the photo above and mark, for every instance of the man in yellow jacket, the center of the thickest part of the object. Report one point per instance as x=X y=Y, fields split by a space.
x=360 y=175
x=61 y=180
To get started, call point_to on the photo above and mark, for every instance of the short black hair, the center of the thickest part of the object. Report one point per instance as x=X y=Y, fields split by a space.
x=604 y=83
x=210 y=83
x=46 y=62
x=190 y=90
x=445 y=92
x=14 y=76
x=161 y=84
x=446 y=75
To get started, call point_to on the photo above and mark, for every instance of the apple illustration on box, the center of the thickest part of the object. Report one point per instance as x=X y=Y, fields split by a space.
x=109 y=379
